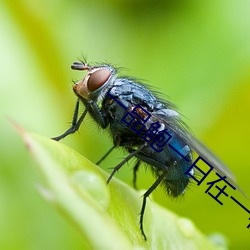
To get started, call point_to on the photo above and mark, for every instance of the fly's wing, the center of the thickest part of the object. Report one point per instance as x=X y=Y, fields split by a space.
x=210 y=157
x=172 y=121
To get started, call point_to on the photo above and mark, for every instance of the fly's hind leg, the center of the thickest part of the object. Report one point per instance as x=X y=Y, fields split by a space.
x=135 y=169
x=145 y=196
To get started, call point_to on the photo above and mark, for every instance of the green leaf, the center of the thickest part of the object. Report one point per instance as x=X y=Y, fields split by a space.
x=107 y=215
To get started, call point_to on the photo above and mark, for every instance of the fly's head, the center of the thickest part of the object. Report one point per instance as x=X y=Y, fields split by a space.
x=96 y=79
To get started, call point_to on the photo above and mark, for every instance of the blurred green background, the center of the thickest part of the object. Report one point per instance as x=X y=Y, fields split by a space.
x=195 y=52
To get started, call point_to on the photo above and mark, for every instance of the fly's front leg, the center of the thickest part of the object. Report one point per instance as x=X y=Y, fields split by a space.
x=97 y=114
x=75 y=124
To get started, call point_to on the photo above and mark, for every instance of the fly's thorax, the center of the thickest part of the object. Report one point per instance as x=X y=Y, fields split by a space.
x=95 y=84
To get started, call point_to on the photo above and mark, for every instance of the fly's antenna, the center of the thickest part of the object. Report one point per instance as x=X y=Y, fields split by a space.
x=80 y=66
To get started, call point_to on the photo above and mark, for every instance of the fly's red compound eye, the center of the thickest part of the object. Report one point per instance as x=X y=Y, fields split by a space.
x=97 y=79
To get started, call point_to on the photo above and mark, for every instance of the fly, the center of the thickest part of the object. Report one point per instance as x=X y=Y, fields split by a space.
x=110 y=100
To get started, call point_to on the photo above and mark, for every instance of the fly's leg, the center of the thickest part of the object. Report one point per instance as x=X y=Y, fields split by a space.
x=97 y=114
x=91 y=107
x=145 y=196
x=124 y=161
x=136 y=167
x=105 y=155
x=75 y=124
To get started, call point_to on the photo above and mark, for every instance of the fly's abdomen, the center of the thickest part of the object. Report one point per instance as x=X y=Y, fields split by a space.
x=173 y=159
x=179 y=159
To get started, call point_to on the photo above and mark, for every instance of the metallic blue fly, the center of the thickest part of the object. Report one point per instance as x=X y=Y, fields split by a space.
x=148 y=127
